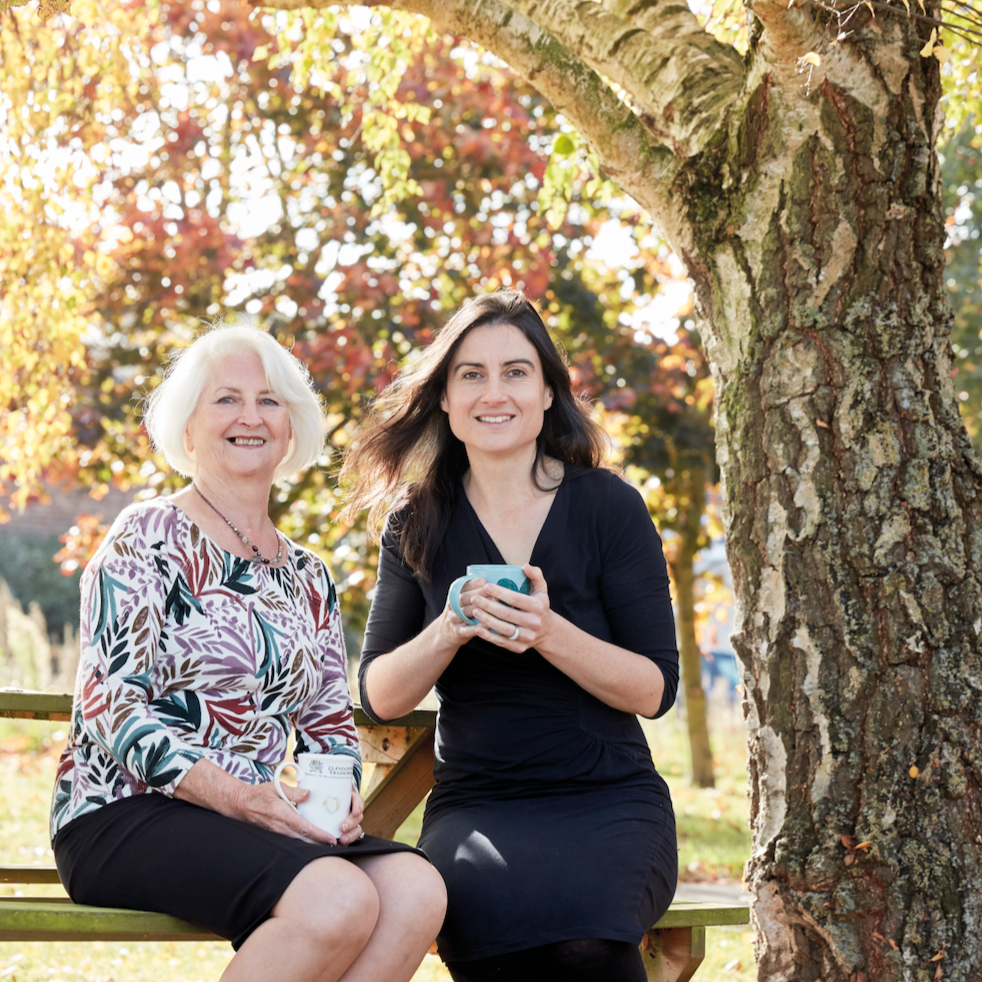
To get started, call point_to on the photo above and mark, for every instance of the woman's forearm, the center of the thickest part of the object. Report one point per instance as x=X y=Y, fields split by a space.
x=622 y=679
x=207 y=785
x=397 y=682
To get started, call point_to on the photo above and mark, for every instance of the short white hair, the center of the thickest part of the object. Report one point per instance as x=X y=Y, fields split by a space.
x=172 y=403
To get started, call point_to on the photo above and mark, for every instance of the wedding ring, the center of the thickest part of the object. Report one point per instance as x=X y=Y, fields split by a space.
x=514 y=635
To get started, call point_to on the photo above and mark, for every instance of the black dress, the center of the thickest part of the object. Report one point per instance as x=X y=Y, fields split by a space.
x=548 y=820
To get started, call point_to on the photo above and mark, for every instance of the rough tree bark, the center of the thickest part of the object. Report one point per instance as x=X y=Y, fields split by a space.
x=809 y=217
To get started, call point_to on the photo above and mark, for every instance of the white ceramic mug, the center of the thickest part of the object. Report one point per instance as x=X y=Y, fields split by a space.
x=329 y=779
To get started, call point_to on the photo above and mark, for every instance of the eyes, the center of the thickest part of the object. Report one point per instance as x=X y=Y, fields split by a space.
x=228 y=400
x=473 y=375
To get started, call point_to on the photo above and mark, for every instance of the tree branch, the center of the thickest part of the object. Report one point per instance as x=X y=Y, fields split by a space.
x=620 y=136
x=682 y=80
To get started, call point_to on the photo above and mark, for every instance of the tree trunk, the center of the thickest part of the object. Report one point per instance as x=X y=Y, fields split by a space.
x=682 y=560
x=853 y=530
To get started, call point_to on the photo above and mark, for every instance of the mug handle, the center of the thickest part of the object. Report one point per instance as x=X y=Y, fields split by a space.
x=276 y=779
x=454 y=597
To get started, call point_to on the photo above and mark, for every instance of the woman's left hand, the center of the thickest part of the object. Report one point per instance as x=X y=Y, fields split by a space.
x=515 y=621
x=351 y=826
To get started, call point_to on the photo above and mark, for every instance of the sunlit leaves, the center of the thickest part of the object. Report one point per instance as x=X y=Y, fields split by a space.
x=61 y=85
x=961 y=170
x=727 y=21
x=339 y=55
x=961 y=80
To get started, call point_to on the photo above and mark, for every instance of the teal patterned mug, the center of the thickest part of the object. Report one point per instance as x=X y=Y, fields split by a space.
x=510 y=577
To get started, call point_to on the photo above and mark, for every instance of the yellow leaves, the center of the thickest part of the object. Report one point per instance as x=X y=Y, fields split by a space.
x=40 y=336
x=934 y=47
x=914 y=771
x=48 y=8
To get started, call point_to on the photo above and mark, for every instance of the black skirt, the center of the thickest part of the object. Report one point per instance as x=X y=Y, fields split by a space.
x=525 y=872
x=151 y=852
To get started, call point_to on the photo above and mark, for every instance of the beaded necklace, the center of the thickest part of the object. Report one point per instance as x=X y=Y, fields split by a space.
x=258 y=558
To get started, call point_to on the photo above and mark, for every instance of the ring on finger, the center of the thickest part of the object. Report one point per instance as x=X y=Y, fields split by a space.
x=514 y=635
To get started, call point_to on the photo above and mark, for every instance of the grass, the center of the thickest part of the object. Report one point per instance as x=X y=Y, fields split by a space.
x=714 y=843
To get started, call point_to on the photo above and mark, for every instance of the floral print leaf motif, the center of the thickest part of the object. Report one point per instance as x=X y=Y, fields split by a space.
x=142 y=680
x=180 y=600
x=119 y=655
x=62 y=798
x=105 y=598
x=236 y=575
x=275 y=683
x=182 y=710
x=158 y=757
x=227 y=717
x=269 y=647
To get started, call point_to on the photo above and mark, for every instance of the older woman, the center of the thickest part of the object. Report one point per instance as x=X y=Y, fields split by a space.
x=206 y=636
x=551 y=827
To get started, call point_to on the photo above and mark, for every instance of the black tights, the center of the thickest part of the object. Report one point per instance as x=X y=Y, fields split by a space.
x=581 y=960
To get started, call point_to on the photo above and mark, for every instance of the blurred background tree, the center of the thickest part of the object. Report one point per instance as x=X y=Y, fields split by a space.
x=962 y=173
x=167 y=166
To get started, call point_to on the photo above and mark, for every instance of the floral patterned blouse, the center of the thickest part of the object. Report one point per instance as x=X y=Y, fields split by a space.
x=191 y=652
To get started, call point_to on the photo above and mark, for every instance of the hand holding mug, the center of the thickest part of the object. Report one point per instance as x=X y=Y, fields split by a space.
x=511 y=608
x=507 y=577
x=329 y=779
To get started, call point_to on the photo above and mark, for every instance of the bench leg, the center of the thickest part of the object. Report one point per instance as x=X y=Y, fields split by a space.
x=674 y=953
x=393 y=799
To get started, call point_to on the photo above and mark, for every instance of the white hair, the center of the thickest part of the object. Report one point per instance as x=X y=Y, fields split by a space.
x=172 y=403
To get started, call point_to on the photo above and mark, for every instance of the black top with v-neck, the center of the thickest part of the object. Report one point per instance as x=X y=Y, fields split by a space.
x=508 y=720
x=548 y=821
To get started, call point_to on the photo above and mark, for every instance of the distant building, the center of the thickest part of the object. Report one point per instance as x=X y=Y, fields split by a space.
x=58 y=517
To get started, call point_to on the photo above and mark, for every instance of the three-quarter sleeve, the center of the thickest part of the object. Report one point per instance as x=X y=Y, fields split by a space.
x=635 y=586
x=397 y=611
x=324 y=722
x=124 y=599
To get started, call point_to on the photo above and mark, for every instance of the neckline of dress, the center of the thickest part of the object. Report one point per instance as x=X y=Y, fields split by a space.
x=542 y=528
x=287 y=559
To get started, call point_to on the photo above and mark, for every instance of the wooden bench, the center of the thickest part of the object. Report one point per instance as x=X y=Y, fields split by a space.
x=401 y=753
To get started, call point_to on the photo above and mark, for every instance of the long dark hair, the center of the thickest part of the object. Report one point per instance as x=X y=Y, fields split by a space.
x=406 y=452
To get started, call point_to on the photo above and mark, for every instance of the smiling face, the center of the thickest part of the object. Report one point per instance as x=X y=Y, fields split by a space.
x=496 y=394
x=239 y=428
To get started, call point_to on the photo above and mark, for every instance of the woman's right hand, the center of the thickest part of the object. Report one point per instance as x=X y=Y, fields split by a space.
x=456 y=630
x=260 y=805
x=207 y=785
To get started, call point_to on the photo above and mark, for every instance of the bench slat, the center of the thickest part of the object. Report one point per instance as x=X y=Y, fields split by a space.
x=53 y=920
x=688 y=913
x=58 y=919
x=29 y=874
x=58 y=706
